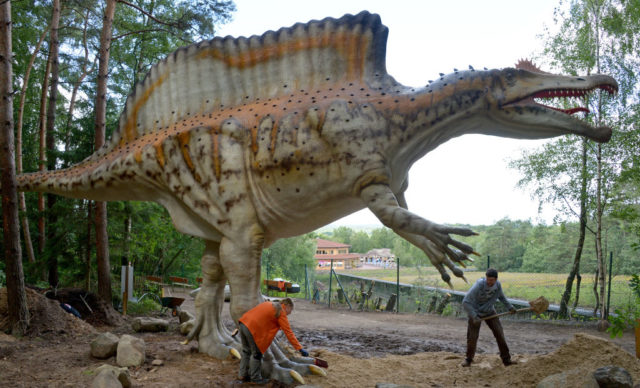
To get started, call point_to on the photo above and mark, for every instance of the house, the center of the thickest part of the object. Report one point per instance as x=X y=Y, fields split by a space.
x=381 y=257
x=330 y=250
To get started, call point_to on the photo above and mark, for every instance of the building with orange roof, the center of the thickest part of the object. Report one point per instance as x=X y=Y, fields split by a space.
x=330 y=250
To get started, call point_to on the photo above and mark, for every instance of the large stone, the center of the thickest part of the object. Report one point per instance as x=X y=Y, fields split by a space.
x=184 y=316
x=149 y=324
x=186 y=327
x=130 y=351
x=109 y=376
x=574 y=376
x=613 y=376
x=104 y=345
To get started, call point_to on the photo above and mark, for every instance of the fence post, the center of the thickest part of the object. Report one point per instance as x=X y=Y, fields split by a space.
x=306 y=283
x=398 y=284
x=609 y=291
x=330 y=281
x=488 y=261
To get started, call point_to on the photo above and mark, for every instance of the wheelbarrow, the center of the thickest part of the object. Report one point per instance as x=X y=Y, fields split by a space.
x=170 y=302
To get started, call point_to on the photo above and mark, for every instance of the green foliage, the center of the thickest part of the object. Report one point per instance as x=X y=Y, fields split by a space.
x=3 y=278
x=627 y=316
x=287 y=257
x=143 y=307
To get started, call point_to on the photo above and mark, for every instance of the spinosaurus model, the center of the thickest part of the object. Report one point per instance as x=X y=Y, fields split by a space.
x=249 y=140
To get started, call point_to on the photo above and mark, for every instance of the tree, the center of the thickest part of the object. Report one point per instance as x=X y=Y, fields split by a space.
x=594 y=36
x=16 y=295
x=102 y=239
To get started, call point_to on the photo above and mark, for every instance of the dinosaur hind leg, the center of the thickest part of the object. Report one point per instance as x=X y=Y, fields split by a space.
x=213 y=337
x=241 y=261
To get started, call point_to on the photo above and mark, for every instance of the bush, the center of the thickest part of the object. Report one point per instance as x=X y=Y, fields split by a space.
x=627 y=316
x=3 y=278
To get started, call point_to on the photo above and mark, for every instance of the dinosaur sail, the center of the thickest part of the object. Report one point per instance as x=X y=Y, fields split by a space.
x=229 y=72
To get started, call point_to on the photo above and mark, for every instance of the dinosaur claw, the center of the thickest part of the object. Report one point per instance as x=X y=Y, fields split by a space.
x=185 y=342
x=475 y=253
x=316 y=370
x=234 y=352
x=296 y=376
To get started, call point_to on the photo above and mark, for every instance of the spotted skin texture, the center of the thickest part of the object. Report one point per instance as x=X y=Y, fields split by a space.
x=249 y=140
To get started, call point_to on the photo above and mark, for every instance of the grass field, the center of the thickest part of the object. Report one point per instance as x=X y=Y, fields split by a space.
x=517 y=285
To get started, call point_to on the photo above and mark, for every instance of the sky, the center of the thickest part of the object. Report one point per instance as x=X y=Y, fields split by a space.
x=466 y=180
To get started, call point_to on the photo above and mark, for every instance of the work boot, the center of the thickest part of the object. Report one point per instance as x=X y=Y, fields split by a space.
x=466 y=363
x=260 y=382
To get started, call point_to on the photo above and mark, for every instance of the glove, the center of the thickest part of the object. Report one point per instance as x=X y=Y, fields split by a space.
x=304 y=353
x=513 y=310
x=476 y=320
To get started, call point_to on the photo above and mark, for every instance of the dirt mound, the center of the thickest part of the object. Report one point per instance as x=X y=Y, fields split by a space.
x=47 y=317
x=578 y=358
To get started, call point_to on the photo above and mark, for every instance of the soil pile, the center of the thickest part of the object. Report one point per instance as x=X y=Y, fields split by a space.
x=578 y=359
x=47 y=317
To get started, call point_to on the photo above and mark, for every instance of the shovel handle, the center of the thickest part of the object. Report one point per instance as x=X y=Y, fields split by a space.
x=505 y=313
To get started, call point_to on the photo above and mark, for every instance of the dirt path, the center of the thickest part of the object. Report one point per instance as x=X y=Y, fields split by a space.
x=362 y=348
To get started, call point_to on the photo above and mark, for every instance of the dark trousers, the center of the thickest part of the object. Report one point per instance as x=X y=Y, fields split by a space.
x=251 y=362
x=473 y=332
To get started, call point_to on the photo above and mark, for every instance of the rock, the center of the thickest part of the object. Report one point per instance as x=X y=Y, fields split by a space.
x=613 y=377
x=186 y=327
x=149 y=324
x=575 y=377
x=391 y=385
x=185 y=316
x=130 y=351
x=104 y=346
x=109 y=376
x=157 y=362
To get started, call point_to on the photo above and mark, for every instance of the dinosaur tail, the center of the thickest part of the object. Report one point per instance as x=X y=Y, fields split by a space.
x=88 y=180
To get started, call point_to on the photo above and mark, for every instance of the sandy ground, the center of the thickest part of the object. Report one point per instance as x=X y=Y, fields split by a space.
x=362 y=348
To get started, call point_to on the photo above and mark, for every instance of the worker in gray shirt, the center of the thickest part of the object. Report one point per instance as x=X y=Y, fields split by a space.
x=478 y=303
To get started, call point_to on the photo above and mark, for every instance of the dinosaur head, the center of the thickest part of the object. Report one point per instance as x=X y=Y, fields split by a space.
x=516 y=96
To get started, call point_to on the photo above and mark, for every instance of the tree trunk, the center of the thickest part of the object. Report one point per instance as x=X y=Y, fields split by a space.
x=578 y=282
x=76 y=86
x=599 y=253
x=102 y=240
x=87 y=282
x=42 y=163
x=52 y=262
x=18 y=312
x=21 y=199
x=595 y=292
x=575 y=269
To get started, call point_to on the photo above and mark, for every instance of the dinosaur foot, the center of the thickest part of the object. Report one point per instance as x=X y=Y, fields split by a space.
x=289 y=371
x=213 y=337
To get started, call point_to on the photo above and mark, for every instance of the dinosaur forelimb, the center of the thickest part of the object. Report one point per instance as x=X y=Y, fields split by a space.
x=432 y=238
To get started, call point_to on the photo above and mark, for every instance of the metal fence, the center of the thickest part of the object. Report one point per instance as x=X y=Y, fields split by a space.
x=421 y=290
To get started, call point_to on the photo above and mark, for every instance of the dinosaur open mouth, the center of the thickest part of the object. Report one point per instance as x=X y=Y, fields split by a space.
x=559 y=97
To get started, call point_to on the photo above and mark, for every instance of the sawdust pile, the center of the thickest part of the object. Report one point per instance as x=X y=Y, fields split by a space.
x=578 y=358
x=47 y=317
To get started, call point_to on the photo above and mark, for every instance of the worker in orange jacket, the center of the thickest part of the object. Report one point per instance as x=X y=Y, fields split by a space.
x=257 y=328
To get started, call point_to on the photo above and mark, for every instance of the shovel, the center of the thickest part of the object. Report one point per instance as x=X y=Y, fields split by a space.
x=538 y=306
